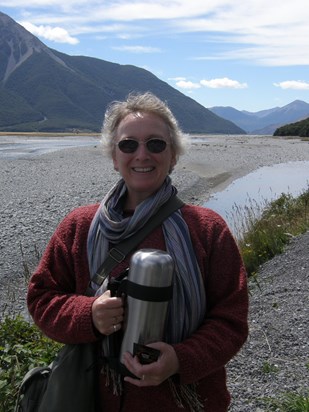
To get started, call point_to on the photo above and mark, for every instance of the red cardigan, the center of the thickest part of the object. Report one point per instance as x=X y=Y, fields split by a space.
x=59 y=307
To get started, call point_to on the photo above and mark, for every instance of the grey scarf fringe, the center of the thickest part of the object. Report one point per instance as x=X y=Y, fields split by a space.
x=112 y=377
x=184 y=395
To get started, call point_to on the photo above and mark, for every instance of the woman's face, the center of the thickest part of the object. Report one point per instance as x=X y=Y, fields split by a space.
x=143 y=171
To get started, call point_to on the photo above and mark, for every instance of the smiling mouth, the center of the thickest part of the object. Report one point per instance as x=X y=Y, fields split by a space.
x=143 y=169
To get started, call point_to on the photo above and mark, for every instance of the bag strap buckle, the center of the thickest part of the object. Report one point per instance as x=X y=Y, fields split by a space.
x=117 y=255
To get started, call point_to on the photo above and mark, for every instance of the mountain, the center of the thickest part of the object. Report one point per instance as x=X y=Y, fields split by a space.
x=42 y=89
x=264 y=121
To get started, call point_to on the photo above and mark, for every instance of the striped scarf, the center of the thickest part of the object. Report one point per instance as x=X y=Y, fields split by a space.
x=187 y=309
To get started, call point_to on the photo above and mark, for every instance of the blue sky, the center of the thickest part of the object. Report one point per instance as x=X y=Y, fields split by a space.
x=251 y=55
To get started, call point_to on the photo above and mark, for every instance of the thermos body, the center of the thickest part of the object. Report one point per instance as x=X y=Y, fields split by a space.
x=150 y=281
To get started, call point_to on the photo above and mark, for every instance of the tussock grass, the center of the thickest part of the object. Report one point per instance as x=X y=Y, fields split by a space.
x=289 y=402
x=264 y=230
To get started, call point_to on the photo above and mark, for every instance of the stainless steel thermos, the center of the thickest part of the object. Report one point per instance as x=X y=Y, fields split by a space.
x=149 y=289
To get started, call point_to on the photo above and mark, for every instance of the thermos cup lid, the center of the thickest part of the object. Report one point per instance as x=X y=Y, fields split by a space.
x=151 y=267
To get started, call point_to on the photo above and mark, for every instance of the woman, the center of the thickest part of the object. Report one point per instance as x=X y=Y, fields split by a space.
x=207 y=322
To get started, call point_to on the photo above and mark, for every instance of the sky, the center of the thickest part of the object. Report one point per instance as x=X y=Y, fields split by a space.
x=251 y=55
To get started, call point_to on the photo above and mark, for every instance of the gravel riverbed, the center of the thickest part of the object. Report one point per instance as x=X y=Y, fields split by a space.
x=38 y=191
x=274 y=360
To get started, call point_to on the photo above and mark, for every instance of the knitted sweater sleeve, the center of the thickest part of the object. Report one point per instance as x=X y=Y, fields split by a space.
x=225 y=326
x=56 y=293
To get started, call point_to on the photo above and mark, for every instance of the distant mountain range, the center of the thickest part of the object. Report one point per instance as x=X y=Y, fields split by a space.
x=265 y=121
x=42 y=89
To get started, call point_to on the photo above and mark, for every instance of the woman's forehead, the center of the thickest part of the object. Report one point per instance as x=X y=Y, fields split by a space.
x=144 y=120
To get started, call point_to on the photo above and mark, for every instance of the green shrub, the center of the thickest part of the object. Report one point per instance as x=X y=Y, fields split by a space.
x=22 y=346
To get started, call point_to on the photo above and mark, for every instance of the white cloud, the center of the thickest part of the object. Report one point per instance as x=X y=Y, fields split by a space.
x=177 y=79
x=184 y=84
x=268 y=33
x=293 y=84
x=267 y=55
x=138 y=49
x=223 y=83
x=56 y=34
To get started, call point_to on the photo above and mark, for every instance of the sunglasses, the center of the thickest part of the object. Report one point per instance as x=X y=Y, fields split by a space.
x=153 y=145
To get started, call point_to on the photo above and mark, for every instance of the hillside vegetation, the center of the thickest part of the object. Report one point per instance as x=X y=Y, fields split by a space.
x=300 y=129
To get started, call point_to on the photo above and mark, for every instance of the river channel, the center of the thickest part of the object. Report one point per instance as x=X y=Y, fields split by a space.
x=258 y=188
x=253 y=190
x=15 y=147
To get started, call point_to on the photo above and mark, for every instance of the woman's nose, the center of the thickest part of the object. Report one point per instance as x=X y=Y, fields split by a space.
x=142 y=150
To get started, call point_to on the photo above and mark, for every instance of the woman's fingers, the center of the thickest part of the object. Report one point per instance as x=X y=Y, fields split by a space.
x=107 y=313
x=155 y=373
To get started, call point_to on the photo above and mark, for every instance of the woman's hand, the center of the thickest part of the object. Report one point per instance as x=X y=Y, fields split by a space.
x=107 y=313
x=154 y=373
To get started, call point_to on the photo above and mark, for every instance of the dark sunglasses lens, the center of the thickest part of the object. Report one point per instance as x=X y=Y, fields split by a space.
x=156 y=145
x=128 y=146
x=153 y=145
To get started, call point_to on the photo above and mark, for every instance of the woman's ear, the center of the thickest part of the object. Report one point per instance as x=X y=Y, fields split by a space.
x=115 y=164
x=173 y=162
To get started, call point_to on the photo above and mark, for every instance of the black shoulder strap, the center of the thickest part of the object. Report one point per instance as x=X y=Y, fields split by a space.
x=118 y=254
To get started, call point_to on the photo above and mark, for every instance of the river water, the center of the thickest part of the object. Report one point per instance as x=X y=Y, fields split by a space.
x=258 y=188
x=15 y=147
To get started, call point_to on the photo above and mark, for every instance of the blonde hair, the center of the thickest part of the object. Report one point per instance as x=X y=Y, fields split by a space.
x=144 y=103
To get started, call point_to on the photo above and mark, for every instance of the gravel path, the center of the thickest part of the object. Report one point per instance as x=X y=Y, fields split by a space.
x=38 y=191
